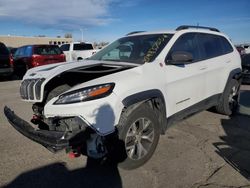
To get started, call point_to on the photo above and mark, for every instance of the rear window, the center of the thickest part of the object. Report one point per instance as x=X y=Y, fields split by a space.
x=47 y=50
x=4 y=50
x=65 y=47
x=83 y=46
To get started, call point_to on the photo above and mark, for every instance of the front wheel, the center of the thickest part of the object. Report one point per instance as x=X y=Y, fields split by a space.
x=229 y=101
x=139 y=130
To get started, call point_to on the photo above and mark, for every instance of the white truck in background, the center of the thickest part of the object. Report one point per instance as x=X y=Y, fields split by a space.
x=76 y=51
x=247 y=48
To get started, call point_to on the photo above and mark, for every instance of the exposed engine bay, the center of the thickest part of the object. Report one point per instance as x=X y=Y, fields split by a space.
x=73 y=129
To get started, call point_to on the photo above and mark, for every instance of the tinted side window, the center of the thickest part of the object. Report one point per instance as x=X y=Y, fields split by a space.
x=82 y=46
x=78 y=47
x=210 y=46
x=187 y=43
x=28 y=51
x=227 y=48
x=88 y=46
x=213 y=45
x=65 y=47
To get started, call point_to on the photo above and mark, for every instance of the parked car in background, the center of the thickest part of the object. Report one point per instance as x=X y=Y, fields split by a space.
x=78 y=50
x=12 y=50
x=6 y=61
x=246 y=68
x=247 y=48
x=241 y=50
x=30 y=56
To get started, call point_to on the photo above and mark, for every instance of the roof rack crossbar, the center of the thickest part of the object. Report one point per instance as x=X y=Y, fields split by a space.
x=134 y=32
x=196 y=27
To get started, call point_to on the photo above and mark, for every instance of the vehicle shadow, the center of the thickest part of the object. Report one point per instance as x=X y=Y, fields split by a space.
x=234 y=147
x=57 y=175
x=97 y=173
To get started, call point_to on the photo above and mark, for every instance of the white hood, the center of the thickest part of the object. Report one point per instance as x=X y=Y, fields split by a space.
x=50 y=71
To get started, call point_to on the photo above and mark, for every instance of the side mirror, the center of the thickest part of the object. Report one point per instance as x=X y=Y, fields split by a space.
x=180 y=58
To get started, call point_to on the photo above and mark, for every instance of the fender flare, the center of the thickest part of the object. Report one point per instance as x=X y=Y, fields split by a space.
x=145 y=96
x=234 y=74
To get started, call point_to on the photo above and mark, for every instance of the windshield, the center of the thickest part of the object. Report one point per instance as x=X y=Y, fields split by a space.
x=134 y=49
x=47 y=50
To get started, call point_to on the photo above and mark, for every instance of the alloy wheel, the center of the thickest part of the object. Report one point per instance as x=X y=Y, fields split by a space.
x=139 y=138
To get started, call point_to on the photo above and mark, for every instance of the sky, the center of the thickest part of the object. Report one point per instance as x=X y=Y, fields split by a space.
x=107 y=20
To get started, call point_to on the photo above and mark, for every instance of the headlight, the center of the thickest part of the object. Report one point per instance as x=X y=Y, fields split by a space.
x=86 y=94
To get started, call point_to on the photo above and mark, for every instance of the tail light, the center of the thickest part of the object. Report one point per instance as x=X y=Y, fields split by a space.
x=34 y=62
x=11 y=61
x=63 y=57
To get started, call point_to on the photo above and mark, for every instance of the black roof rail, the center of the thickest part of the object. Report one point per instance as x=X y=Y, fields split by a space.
x=196 y=27
x=134 y=32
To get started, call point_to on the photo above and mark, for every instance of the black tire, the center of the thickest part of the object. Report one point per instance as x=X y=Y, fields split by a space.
x=141 y=139
x=229 y=101
x=56 y=91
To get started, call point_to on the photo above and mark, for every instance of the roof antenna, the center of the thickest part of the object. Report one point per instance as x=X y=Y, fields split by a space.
x=197 y=25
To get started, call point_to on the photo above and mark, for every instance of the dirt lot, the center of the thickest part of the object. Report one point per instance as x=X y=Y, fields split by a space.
x=206 y=150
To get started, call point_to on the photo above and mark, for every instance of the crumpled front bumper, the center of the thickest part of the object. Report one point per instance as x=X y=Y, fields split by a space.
x=52 y=140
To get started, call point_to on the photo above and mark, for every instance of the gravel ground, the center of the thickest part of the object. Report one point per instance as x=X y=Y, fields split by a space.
x=206 y=150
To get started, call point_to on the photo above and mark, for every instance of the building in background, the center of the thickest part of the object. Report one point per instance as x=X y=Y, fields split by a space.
x=17 y=41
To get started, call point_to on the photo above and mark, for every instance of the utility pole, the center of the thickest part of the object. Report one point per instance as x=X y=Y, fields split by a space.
x=82 y=33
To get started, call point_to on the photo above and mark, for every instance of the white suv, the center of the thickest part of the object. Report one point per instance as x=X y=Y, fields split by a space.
x=76 y=51
x=116 y=104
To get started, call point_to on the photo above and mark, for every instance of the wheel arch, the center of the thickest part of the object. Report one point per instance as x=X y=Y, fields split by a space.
x=154 y=98
x=234 y=74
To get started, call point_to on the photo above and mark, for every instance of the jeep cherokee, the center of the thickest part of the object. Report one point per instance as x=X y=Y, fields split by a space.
x=119 y=101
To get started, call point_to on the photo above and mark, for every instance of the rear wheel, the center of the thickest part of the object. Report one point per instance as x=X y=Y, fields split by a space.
x=229 y=101
x=140 y=133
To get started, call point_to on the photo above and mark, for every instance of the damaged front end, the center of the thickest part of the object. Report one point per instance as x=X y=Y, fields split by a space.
x=71 y=134
x=74 y=107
